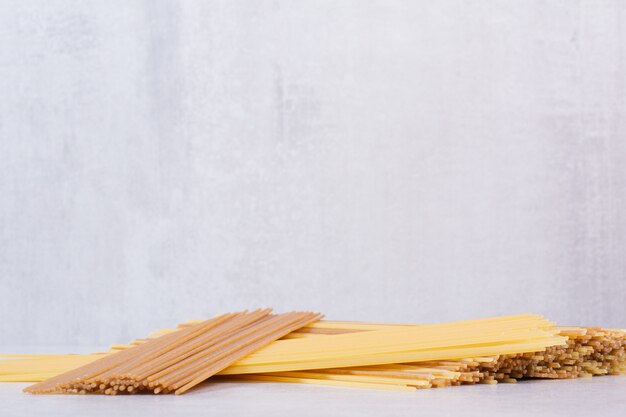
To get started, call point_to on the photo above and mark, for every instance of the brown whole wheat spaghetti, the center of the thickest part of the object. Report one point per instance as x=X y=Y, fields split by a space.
x=178 y=361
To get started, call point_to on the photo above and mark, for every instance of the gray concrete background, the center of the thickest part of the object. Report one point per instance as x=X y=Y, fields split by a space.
x=374 y=160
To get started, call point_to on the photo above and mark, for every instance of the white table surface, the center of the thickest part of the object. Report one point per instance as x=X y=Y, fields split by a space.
x=602 y=396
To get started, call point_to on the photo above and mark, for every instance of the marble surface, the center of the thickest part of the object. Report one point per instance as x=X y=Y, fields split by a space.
x=583 y=397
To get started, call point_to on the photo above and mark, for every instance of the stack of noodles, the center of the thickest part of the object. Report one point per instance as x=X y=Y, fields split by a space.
x=587 y=352
x=367 y=355
x=180 y=360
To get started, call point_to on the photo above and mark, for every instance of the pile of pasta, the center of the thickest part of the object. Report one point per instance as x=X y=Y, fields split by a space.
x=180 y=360
x=587 y=352
x=302 y=348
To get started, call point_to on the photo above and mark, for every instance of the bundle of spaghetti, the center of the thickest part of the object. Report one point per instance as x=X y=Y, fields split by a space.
x=501 y=335
x=178 y=361
x=587 y=352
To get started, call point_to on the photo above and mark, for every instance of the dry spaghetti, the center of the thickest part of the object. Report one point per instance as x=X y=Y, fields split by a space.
x=178 y=361
x=246 y=346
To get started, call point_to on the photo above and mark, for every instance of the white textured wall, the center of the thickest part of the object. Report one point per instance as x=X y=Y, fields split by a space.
x=384 y=160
